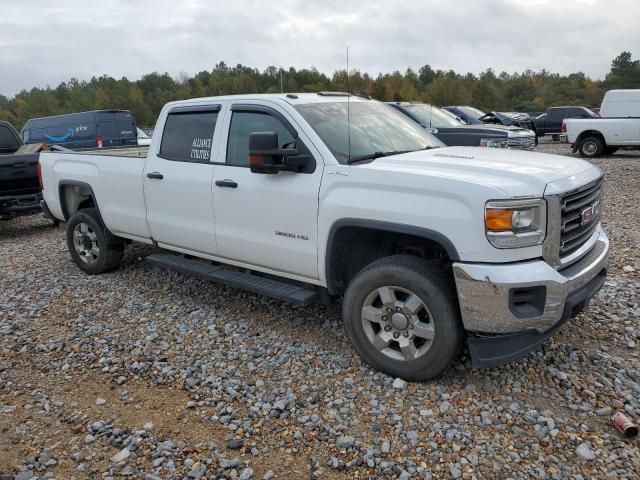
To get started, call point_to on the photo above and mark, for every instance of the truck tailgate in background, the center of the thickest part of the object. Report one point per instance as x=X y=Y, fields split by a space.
x=18 y=174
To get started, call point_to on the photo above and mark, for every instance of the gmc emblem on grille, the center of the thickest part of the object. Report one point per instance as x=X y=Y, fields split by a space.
x=589 y=214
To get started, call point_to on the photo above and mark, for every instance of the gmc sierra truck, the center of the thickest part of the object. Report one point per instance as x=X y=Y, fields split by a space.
x=306 y=197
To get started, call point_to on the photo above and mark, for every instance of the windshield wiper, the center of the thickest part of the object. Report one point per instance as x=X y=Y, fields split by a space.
x=374 y=155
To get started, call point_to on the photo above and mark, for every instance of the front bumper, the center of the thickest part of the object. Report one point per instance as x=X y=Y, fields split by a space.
x=527 y=299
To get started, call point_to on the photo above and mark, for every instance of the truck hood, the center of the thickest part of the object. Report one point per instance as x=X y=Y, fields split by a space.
x=517 y=173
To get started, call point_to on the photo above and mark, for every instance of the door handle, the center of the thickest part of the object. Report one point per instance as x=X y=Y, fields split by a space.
x=226 y=183
x=156 y=175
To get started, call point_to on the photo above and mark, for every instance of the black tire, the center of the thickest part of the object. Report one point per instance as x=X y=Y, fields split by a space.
x=434 y=286
x=110 y=249
x=591 y=147
x=611 y=150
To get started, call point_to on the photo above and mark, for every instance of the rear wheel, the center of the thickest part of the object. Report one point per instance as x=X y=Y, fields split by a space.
x=401 y=315
x=591 y=147
x=91 y=246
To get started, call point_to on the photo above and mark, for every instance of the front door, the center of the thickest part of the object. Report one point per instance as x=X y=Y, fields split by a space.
x=178 y=178
x=266 y=220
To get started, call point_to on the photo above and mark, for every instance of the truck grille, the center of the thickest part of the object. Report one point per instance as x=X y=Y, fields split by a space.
x=521 y=143
x=578 y=225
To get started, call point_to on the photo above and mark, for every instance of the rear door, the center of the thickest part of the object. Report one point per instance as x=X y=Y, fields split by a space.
x=554 y=121
x=264 y=220
x=178 y=176
x=116 y=129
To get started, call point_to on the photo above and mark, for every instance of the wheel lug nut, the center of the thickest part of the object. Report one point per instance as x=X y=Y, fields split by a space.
x=384 y=317
x=406 y=334
x=396 y=335
x=389 y=310
x=387 y=328
x=398 y=309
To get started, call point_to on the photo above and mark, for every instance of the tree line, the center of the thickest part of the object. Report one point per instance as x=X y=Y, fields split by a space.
x=527 y=91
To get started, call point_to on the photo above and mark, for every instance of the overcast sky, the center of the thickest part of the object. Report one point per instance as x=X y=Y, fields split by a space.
x=45 y=42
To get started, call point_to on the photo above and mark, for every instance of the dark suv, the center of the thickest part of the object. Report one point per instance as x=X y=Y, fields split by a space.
x=453 y=132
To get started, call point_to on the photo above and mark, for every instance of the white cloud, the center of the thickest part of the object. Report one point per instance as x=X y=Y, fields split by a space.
x=124 y=38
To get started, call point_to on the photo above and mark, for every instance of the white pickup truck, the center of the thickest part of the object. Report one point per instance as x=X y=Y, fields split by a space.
x=312 y=196
x=618 y=126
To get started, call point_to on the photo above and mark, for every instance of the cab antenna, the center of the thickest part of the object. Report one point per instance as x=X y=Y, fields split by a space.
x=348 y=113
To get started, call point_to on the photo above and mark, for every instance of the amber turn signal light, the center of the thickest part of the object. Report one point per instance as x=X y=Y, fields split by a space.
x=499 y=219
x=256 y=160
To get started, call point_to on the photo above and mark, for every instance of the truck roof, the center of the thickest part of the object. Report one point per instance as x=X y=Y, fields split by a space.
x=290 y=98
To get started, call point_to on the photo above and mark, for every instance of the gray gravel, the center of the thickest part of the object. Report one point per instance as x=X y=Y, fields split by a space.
x=144 y=373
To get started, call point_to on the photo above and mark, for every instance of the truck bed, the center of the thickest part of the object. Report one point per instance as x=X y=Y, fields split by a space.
x=117 y=152
x=113 y=177
x=616 y=131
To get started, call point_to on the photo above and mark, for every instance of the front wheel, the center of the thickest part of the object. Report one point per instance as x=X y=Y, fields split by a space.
x=401 y=315
x=91 y=246
x=591 y=147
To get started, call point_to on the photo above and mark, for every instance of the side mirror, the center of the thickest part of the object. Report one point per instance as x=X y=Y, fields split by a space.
x=266 y=156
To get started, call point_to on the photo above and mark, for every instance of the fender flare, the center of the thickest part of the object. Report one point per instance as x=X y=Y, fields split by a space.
x=587 y=133
x=75 y=183
x=383 y=226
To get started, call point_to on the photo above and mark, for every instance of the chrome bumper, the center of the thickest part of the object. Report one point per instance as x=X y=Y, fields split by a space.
x=486 y=291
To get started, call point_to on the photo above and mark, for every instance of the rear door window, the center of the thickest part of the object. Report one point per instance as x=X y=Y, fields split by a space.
x=188 y=136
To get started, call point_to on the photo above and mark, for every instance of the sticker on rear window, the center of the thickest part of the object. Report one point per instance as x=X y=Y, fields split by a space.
x=200 y=148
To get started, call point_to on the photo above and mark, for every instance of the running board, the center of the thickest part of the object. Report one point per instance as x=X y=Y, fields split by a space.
x=295 y=294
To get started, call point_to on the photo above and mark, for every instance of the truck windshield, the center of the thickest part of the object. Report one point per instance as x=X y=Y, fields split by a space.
x=432 y=117
x=375 y=128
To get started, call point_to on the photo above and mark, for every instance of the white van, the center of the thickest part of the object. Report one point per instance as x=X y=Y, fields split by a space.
x=621 y=103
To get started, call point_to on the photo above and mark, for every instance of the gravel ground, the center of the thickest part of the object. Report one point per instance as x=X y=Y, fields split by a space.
x=145 y=373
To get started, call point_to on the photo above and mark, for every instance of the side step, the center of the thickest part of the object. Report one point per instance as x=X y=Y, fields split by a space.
x=297 y=295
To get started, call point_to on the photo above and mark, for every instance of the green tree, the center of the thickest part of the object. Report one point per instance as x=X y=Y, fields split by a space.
x=625 y=72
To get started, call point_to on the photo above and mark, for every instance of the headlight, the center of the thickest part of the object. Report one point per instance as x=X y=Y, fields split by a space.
x=515 y=223
x=494 y=142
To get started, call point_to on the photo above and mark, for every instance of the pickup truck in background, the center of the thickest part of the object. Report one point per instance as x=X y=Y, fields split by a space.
x=307 y=197
x=446 y=127
x=618 y=126
x=19 y=188
x=550 y=123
